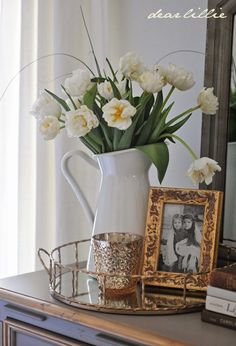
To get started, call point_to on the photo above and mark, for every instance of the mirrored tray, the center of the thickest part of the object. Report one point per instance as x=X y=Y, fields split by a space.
x=74 y=285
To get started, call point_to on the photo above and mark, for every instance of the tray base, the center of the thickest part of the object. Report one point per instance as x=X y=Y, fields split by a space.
x=87 y=296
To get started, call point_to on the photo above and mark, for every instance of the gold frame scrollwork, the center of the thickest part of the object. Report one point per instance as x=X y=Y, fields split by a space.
x=212 y=202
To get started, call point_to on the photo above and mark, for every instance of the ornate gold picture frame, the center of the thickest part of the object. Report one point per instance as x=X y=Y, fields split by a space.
x=181 y=240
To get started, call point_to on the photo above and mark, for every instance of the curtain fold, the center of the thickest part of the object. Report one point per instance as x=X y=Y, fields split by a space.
x=38 y=208
x=10 y=24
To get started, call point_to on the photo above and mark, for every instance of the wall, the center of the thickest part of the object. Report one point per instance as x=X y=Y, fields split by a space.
x=153 y=39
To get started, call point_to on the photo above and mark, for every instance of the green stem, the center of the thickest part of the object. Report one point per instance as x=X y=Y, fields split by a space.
x=91 y=44
x=164 y=135
x=131 y=93
x=70 y=98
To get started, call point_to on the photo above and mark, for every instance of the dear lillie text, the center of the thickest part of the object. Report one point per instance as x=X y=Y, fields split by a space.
x=191 y=13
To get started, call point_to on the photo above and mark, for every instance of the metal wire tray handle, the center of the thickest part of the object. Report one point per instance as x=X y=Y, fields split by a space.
x=76 y=286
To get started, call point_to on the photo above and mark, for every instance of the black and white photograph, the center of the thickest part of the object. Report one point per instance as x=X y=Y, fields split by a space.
x=181 y=238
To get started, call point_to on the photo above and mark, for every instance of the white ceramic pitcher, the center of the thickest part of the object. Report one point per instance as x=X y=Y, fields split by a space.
x=123 y=193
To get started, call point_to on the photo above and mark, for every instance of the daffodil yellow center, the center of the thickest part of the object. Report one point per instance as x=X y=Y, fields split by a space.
x=81 y=120
x=46 y=125
x=118 y=112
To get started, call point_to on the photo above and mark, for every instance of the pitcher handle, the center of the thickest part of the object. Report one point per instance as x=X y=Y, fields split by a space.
x=74 y=185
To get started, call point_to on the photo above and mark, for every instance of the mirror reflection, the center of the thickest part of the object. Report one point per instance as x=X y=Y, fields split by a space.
x=230 y=193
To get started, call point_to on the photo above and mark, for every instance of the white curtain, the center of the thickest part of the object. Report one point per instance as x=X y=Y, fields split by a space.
x=10 y=23
x=38 y=208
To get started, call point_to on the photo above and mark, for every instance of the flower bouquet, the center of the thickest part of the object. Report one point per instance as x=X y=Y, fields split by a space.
x=105 y=114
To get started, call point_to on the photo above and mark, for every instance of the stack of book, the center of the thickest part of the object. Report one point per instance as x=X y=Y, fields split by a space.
x=220 y=306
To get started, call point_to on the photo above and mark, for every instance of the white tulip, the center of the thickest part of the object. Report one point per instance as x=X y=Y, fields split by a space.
x=177 y=76
x=49 y=127
x=78 y=83
x=131 y=65
x=203 y=169
x=151 y=81
x=207 y=101
x=45 y=105
x=118 y=113
x=106 y=91
x=76 y=102
x=79 y=122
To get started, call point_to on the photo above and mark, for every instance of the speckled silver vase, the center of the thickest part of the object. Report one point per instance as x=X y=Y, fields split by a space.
x=117 y=259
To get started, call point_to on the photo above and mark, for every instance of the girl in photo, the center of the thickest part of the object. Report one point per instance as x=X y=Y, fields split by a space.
x=189 y=248
x=176 y=234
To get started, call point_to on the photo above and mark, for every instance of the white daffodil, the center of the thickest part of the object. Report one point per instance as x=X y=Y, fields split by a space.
x=45 y=105
x=203 y=169
x=177 y=76
x=131 y=66
x=151 y=81
x=207 y=101
x=79 y=122
x=76 y=102
x=49 y=127
x=106 y=91
x=78 y=83
x=118 y=113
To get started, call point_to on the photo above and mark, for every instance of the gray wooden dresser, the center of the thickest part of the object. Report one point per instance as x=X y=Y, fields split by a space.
x=31 y=317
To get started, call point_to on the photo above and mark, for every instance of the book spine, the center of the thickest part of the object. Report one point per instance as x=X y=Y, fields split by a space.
x=221 y=293
x=223 y=280
x=218 y=319
x=222 y=306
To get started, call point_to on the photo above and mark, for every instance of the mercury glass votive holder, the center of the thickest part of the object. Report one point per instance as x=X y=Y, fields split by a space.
x=117 y=258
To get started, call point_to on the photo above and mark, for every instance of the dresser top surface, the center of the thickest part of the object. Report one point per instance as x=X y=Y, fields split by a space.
x=31 y=290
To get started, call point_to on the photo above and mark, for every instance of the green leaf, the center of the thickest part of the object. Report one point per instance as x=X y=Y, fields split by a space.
x=130 y=94
x=107 y=135
x=116 y=138
x=71 y=100
x=98 y=79
x=126 y=139
x=146 y=111
x=159 y=155
x=96 y=136
x=160 y=125
x=59 y=100
x=104 y=127
x=88 y=145
x=139 y=130
x=153 y=117
x=89 y=97
x=158 y=103
x=112 y=71
x=91 y=144
x=135 y=101
x=115 y=89
x=175 y=127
